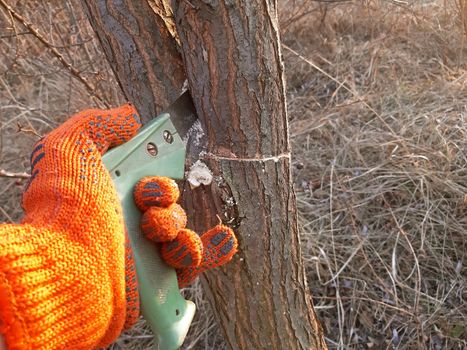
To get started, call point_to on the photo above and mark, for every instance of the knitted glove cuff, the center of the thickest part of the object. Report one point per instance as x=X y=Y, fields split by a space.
x=43 y=302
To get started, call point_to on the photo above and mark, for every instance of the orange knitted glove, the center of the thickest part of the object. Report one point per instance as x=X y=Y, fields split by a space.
x=66 y=277
x=164 y=221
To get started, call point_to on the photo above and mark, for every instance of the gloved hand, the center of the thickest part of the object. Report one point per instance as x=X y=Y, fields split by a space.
x=164 y=221
x=67 y=277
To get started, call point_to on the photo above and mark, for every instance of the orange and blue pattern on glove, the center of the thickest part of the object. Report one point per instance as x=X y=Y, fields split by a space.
x=164 y=221
x=67 y=280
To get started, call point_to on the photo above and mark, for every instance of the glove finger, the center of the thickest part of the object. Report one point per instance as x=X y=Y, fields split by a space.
x=105 y=128
x=155 y=191
x=163 y=224
x=186 y=250
x=219 y=246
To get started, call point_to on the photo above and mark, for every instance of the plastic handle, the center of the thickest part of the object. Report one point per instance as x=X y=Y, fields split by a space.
x=157 y=150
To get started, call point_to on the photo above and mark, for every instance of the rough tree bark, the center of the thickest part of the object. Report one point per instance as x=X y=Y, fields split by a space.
x=233 y=62
x=143 y=54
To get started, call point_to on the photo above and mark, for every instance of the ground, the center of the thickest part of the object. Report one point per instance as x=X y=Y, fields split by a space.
x=377 y=101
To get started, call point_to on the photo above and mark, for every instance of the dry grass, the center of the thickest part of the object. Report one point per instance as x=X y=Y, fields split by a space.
x=382 y=179
x=378 y=108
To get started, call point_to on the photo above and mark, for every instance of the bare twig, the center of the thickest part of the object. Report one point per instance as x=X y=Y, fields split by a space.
x=5 y=173
x=7 y=36
x=76 y=73
x=28 y=130
x=9 y=218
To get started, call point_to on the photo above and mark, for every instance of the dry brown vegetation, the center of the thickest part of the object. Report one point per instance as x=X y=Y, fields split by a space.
x=377 y=96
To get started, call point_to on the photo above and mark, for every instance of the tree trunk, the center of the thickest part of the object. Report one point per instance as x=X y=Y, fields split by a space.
x=143 y=54
x=232 y=55
x=231 y=51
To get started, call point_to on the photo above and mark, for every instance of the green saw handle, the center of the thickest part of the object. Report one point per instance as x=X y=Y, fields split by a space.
x=157 y=150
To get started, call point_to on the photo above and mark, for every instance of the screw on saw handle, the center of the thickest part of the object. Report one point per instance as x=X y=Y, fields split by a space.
x=157 y=150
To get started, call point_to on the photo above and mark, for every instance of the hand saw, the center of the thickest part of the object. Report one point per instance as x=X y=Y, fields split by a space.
x=157 y=150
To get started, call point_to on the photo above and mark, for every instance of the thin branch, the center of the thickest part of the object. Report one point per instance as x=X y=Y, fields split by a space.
x=31 y=130
x=7 y=36
x=5 y=173
x=10 y=219
x=76 y=73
